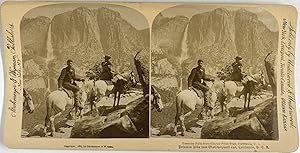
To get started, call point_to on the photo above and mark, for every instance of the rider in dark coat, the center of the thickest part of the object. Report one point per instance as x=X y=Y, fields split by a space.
x=196 y=79
x=106 y=69
x=67 y=80
x=237 y=69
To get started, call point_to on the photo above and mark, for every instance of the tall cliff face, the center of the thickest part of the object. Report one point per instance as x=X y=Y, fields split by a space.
x=253 y=39
x=95 y=33
x=84 y=35
x=211 y=35
x=75 y=28
x=166 y=35
x=216 y=37
x=34 y=36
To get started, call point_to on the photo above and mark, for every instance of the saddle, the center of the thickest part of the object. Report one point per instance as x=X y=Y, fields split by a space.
x=239 y=83
x=70 y=93
x=246 y=79
x=108 y=82
x=118 y=77
x=198 y=92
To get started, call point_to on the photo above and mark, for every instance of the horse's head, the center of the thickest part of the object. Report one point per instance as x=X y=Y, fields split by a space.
x=83 y=91
x=27 y=102
x=213 y=90
x=156 y=100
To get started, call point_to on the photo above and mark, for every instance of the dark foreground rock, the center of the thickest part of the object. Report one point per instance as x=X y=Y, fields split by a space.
x=133 y=121
x=256 y=124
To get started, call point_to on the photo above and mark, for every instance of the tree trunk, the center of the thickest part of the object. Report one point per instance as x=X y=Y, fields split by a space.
x=143 y=74
x=271 y=75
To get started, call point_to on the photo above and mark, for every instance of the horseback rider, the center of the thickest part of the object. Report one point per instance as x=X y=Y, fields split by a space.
x=67 y=80
x=196 y=79
x=106 y=69
x=237 y=70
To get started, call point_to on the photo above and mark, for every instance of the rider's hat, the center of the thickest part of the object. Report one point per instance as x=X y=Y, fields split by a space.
x=106 y=57
x=200 y=60
x=238 y=58
x=69 y=61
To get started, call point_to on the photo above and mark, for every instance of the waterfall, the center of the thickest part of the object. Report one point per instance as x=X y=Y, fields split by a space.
x=184 y=52
x=184 y=47
x=49 y=46
x=50 y=55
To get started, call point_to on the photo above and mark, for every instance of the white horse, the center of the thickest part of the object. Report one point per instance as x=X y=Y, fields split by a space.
x=56 y=103
x=186 y=102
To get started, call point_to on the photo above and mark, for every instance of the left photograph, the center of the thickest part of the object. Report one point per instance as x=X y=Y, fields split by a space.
x=85 y=71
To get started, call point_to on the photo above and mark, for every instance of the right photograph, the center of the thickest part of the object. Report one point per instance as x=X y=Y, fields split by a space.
x=213 y=73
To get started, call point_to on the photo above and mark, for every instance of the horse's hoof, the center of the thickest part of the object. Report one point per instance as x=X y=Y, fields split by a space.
x=43 y=134
x=47 y=134
x=174 y=134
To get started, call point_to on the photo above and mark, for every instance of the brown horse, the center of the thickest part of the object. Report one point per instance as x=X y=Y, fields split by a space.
x=96 y=90
x=122 y=82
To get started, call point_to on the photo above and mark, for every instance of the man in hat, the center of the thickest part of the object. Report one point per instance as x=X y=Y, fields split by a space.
x=196 y=79
x=67 y=80
x=237 y=69
x=106 y=69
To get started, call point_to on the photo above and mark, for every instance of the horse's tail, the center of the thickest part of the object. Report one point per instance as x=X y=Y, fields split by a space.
x=48 y=111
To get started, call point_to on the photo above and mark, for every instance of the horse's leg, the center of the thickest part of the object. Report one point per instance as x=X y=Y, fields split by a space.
x=226 y=102
x=245 y=95
x=176 y=125
x=182 y=117
x=178 y=114
x=92 y=104
x=48 y=115
x=76 y=110
x=249 y=99
x=222 y=106
x=92 y=101
x=80 y=113
x=222 y=101
x=96 y=108
x=115 y=97
x=118 y=98
x=52 y=118
x=47 y=122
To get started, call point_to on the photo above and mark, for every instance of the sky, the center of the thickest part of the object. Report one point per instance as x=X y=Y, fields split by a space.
x=189 y=10
x=132 y=16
